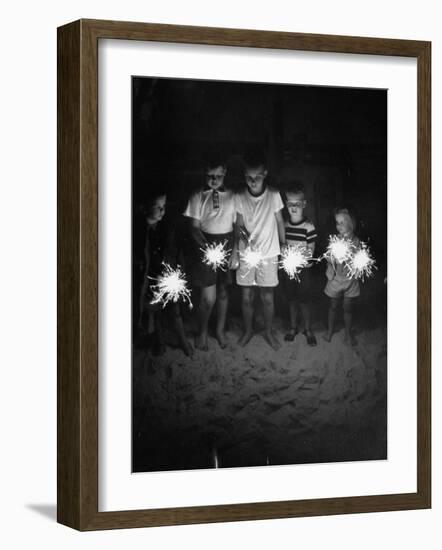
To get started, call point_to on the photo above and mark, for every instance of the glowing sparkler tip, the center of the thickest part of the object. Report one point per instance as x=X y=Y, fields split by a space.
x=251 y=257
x=339 y=249
x=294 y=258
x=171 y=286
x=361 y=264
x=215 y=255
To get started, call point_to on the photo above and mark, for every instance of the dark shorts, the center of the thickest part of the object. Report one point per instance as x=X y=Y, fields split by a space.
x=298 y=291
x=203 y=275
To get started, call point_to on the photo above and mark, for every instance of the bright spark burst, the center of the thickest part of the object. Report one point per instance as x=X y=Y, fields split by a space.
x=171 y=286
x=361 y=264
x=252 y=258
x=215 y=255
x=294 y=258
x=339 y=249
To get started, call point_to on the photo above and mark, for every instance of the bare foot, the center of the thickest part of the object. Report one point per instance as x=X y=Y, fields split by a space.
x=290 y=336
x=201 y=342
x=349 y=339
x=272 y=340
x=222 y=339
x=311 y=338
x=187 y=348
x=327 y=336
x=245 y=339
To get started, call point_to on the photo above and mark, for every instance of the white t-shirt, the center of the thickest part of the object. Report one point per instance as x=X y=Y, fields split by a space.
x=259 y=219
x=216 y=213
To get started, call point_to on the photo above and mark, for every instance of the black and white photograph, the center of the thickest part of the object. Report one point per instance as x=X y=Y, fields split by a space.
x=259 y=274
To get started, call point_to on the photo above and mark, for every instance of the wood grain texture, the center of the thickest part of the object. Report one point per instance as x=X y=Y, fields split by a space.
x=424 y=274
x=78 y=274
x=68 y=276
x=252 y=38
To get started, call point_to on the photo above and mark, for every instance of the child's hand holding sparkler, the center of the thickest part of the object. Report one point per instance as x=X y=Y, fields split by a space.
x=171 y=286
x=251 y=257
x=339 y=249
x=357 y=259
x=244 y=235
x=216 y=255
x=234 y=259
x=361 y=264
x=294 y=258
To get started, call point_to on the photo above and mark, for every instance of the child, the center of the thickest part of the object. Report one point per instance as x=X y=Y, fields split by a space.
x=260 y=227
x=159 y=247
x=339 y=284
x=212 y=214
x=301 y=231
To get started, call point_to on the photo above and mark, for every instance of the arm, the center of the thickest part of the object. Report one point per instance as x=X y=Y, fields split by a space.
x=311 y=241
x=311 y=249
x=193 y=211
x=197 y=234
x=239 y=232
x=281 y=227
x=330 y=271
x=171 y=248
x=146 y=282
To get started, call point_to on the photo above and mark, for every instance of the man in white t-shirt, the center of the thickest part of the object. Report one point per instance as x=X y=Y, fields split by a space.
x=212 y=214
x=259 y=233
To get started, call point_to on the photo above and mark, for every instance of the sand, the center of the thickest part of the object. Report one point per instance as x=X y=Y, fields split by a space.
x=253 y=406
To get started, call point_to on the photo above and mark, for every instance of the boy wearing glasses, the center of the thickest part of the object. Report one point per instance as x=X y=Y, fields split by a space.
x=301 y=231
x=259 y=229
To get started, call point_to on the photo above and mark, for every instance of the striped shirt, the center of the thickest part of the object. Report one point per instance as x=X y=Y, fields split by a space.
x=302 y=232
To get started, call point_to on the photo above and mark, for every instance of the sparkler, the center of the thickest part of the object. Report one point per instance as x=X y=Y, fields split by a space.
x=252 y=258
x=294 y=258
x=361 y=264
x=215 y=255
x=171 y=286
x=339 y=249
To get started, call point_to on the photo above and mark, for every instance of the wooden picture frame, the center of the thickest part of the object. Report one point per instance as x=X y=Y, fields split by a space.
x=77 y=461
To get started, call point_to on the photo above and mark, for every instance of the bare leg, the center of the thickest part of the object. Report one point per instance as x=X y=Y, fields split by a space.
x=150 y=322
x=307 y=314
x=158 y=343
x=332 y=312
x=207 y=301
x=222 y=302
x=150 y=336
x=179 y=328
x=348 y=318
x=247 y=314
x=293 y=309
x=268 y=307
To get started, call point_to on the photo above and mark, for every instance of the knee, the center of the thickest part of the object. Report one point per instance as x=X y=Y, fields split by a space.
x=247 y=298
x=221 y=293
x=208 y=300
x=267 y=296
x=333 y=304
x=348 y=306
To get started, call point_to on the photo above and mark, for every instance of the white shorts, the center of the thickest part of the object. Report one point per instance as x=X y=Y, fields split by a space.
x=265 y=274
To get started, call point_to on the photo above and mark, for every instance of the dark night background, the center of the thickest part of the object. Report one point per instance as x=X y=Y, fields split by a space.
x=334 y=141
